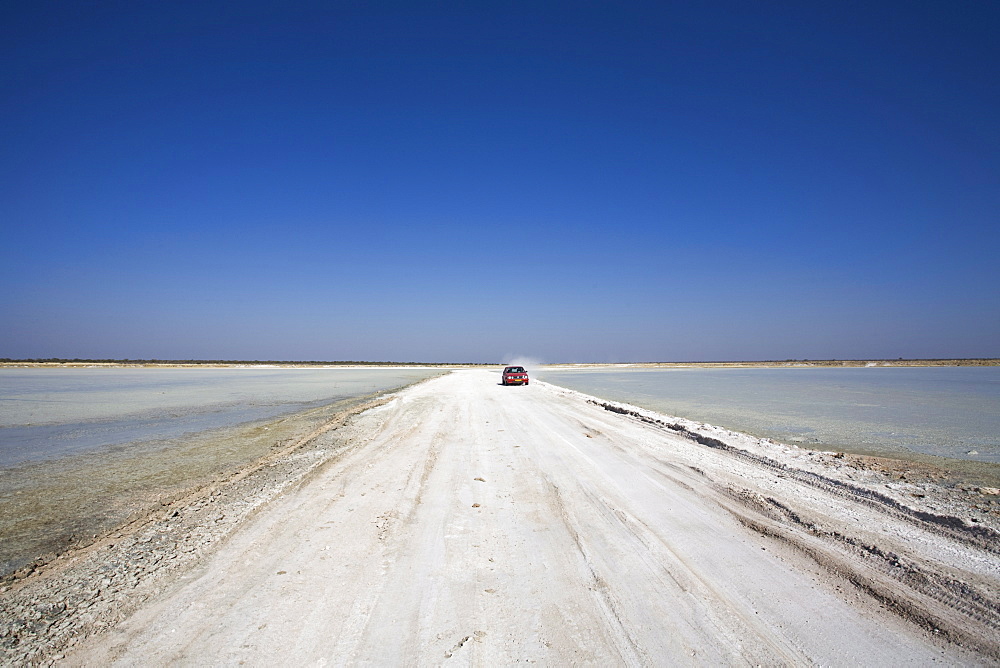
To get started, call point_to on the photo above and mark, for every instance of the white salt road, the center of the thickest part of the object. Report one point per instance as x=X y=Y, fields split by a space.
x=480 y=524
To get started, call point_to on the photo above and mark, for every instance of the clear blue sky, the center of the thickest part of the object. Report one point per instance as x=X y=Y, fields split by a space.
x=438 y=181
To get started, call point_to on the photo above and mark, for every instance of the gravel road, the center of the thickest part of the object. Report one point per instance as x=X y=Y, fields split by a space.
x=479 y=524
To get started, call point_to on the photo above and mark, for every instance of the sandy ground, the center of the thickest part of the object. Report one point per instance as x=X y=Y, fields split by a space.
x=466 y=522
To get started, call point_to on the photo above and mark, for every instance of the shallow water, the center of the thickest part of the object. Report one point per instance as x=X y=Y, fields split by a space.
x=51 y=413
x=941 y=411
x=84 y=450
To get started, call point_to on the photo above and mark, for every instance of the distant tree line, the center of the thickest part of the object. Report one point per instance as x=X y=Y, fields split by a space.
x=986 y=361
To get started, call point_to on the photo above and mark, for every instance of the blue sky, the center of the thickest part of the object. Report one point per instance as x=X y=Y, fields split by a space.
x=442 y=181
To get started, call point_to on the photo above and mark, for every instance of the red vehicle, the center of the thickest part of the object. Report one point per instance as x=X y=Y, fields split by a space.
x=515 y=375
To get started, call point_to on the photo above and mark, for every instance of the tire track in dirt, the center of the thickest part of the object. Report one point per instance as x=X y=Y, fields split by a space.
x=485 y=525
x=953 y=527
x=936 y=596
x=666 y=571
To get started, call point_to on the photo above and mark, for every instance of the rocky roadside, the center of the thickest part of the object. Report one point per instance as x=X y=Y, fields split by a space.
x=90 y=590
x=934 y=494
x=50 y=607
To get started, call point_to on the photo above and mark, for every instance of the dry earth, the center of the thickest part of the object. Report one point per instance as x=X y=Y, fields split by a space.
x=466 y=522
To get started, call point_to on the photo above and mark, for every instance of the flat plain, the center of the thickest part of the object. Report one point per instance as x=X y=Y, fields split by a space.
x=466 y=521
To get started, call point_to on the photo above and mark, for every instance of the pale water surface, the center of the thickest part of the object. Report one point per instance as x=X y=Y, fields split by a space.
x=51 y=413
x=944 y=411
x=84 y=450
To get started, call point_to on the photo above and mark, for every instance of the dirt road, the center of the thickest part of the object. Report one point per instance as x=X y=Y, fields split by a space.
x=481 y=524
